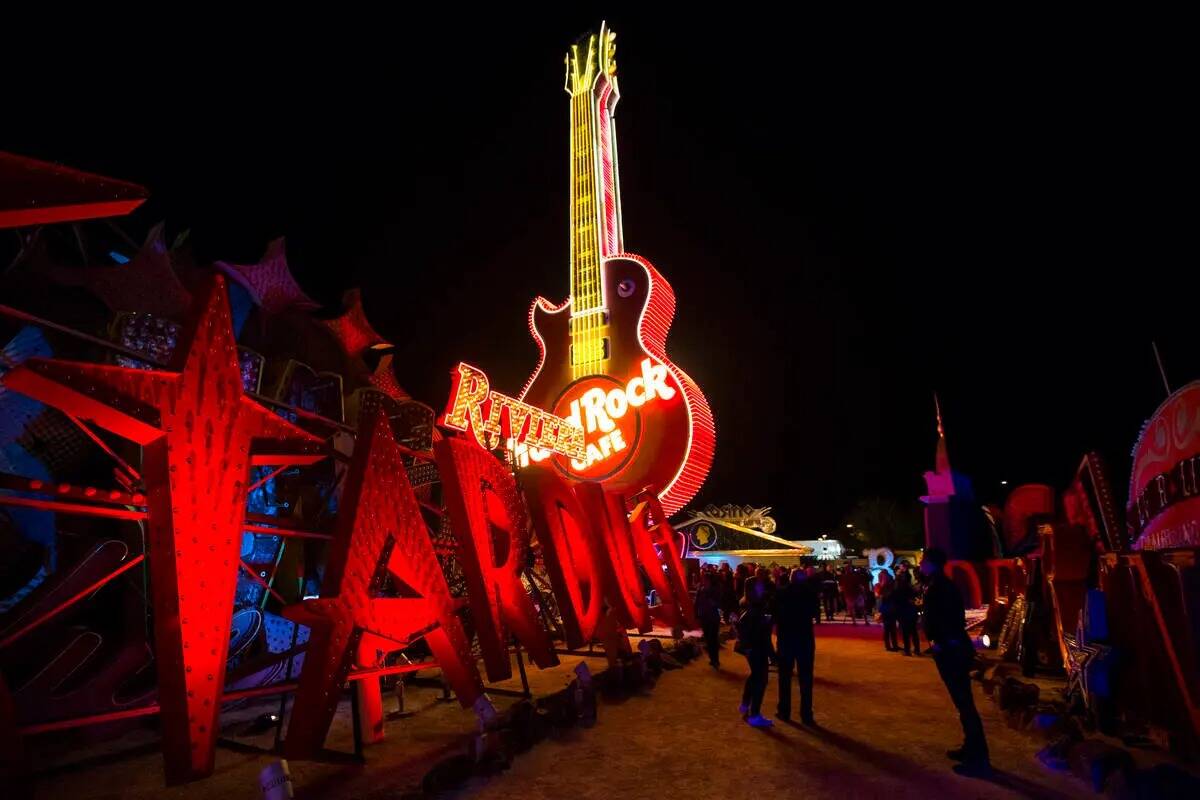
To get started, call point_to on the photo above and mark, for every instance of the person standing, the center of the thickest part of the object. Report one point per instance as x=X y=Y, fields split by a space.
x=729 y=601
x=764 y=579
x=887 y=611
x=814 y=585
x=849 y=583
x=904 y=604
x=740 y=574
x=946 y=629
x=754 y=642
x=795 y=608
x=708 y=612
x=829 y=590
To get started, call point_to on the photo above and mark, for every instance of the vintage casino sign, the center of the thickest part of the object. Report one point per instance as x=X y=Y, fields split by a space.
x=604 y=362
x=592 y=434
x=611 y=416
x=1164 y=485
x=628 y=438
x=201 y=434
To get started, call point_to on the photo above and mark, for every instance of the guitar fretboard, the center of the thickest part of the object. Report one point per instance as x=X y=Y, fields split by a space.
x=588 y=348
x=586 y=291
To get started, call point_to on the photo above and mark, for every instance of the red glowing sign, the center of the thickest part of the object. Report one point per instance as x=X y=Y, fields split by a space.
x=659 y=544
x=199 y=434
x=621 y=418
x=1164 y=484
x=610 y=414
x=620 y=567
x=493 y=418
x=490 y=525
x=603 y=352
x=571 y=551
x=380 y=534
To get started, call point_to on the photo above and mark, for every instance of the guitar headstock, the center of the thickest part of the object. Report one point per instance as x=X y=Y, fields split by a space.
x=591 y=56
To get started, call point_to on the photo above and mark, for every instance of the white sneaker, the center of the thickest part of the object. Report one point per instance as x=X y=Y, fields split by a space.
x=759 y=721
x=744 y=710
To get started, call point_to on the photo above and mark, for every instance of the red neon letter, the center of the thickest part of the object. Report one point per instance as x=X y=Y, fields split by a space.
x=490 y=525
x=657 y=545
x=622 y=577
x=567 y=541
x=379 y=532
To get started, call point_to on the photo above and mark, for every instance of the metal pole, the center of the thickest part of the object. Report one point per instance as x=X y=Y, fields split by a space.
x=521 y=667
x=1161 y=369
x=283 y=696
x=356 y=722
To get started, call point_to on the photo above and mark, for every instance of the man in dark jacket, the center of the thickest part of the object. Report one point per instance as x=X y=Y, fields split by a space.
x=708 y=612
x=795 y=608
x=946 y=629
x=904 y=603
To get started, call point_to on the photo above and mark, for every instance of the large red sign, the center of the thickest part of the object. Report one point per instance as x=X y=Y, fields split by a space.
x=623 y=435
x=604 y=363
x=200 y=435
x=380 y=534
x=1164 y=485
x=488 y=517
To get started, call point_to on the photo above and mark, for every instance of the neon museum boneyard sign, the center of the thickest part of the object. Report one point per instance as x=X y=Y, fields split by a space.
x=200 y=435
x=628 y=434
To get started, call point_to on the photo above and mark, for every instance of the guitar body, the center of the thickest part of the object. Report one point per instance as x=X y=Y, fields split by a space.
x=668 y=437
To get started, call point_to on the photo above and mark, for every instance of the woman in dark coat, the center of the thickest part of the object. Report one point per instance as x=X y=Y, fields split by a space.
x=708 y=612
x=754 y=642
x=904 y=606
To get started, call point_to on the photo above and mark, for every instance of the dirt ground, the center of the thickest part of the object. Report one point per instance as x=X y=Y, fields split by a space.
x=886 y=723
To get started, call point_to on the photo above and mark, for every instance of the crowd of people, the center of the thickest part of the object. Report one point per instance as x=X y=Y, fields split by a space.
x=773 y=611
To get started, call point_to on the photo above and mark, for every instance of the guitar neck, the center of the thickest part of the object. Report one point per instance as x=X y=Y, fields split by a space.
x=595 y=196
x=595 y=199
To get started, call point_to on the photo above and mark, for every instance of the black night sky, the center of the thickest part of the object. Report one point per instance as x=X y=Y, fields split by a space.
x=851 y=216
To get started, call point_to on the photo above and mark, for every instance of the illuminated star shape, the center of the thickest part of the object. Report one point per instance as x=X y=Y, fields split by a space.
x=200 y=435
x=384 y=379
x=270 y=282
x=1080 y=656
x=352 y=329
x=148 y=283
x=380 y=535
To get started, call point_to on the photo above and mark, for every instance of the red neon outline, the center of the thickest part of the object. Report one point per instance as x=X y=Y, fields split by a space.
x=653 y=327
x=550 y=308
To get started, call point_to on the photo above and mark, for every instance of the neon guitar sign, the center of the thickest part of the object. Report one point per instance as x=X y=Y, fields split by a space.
x=603 y=362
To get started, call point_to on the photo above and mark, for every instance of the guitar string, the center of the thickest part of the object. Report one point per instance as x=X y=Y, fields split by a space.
x=593 y=261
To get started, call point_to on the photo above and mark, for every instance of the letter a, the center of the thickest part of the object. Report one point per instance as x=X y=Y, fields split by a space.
x=379 y=532
x=483 y=501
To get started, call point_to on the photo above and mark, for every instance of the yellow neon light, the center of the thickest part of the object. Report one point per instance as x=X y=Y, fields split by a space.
x=492 y=417
x=590 y=80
